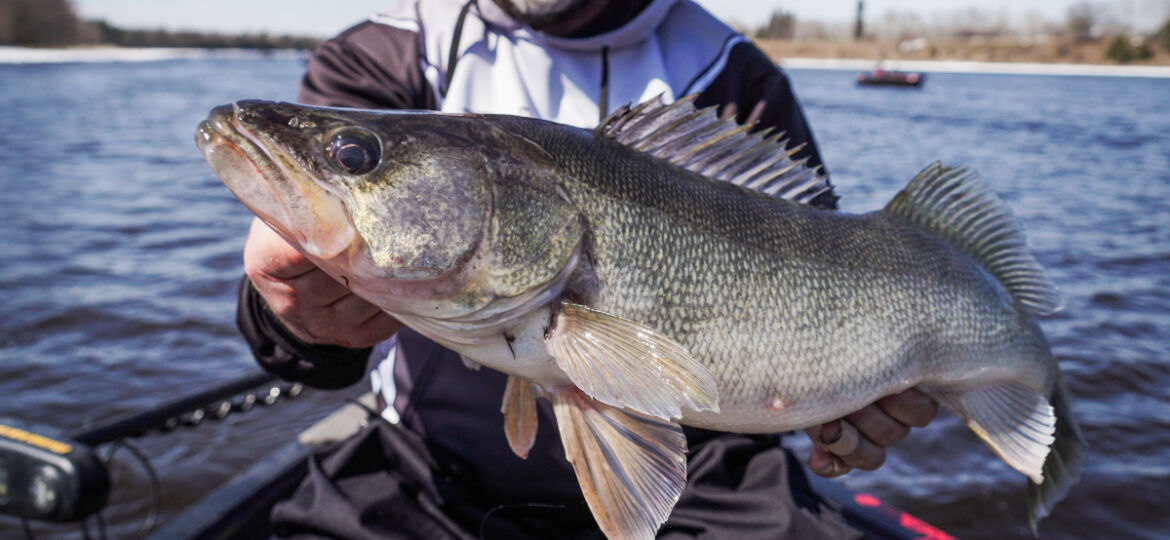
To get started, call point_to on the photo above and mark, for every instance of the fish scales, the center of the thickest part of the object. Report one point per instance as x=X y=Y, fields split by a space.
x=778 y=299
x=601 y=271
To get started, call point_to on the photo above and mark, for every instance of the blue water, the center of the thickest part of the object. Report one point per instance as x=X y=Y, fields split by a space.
x=121 y=253
x=1085 y=163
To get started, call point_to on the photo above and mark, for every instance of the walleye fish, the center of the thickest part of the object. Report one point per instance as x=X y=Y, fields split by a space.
x=664 y=269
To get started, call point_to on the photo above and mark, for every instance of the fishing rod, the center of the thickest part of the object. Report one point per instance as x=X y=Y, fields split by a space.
x=54 y=476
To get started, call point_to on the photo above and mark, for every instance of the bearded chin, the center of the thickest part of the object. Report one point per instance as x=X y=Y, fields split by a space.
x=537 y=13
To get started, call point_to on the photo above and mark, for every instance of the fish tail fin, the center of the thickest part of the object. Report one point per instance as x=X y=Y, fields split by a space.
x=1065 y=461
x=957 y=205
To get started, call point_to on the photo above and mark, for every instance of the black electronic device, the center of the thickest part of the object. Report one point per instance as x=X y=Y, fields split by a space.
x=48 y=478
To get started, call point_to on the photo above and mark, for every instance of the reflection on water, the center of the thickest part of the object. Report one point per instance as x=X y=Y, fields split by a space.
x=122 y=252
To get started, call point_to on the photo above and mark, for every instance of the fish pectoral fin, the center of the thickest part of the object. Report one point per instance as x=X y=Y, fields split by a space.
x=520 y=421
x=631 y=467
x=1014 y=419
x=629 y=365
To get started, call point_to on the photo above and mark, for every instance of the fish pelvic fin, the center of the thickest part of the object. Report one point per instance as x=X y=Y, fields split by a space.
x=631 y=467
x=626 y=364
x=1065 y=461
x=520 y=420
x=957 y=205
x=1012 y=418
x=699 y=141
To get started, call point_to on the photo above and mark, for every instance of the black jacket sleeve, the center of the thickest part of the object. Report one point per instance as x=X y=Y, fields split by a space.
x=370 y=66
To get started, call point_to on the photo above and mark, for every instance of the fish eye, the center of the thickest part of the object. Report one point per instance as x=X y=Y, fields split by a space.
x=354 y=151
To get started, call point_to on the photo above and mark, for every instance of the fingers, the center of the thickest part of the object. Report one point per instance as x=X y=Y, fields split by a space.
x=826 y=464
x=911 y=407
x=349 y=322
x=842 y=440
x=266 y=252
x=878 y=427
x=859 y=440
x=312 y=305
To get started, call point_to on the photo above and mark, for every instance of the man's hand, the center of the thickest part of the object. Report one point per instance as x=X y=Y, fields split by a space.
x=859 y=440
x=311 y=304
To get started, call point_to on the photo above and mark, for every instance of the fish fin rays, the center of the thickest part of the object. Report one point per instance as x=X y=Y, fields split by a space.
x=1012 y=418
x=626 y=364
x=701 y=142
x=520 y=419
x=1065 y=462
x=631 y=467
x=957 y=205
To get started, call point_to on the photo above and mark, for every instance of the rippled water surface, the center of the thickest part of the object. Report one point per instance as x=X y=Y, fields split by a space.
x=121 y=252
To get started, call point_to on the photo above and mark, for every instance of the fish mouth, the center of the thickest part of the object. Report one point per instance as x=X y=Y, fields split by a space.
x=284 y=195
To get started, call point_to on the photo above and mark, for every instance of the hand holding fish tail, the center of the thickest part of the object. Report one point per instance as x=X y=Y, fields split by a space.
x=859 y=440
x=312 y=305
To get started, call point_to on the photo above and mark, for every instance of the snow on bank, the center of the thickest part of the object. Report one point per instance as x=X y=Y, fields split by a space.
x=25 y=55
x=956 y=66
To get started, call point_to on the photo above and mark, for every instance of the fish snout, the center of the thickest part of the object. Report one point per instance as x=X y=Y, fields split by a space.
x=259 y=115
x=216 y=127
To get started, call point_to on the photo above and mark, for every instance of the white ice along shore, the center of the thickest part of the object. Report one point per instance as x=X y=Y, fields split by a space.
x=26 y=55
x=958 y=66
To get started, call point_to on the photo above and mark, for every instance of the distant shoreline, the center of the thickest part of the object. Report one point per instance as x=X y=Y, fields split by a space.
x=28 y=55
x=36 y=55
x=965 y=66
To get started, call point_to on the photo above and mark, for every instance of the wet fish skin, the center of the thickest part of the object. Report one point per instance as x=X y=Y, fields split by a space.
x=597 y=270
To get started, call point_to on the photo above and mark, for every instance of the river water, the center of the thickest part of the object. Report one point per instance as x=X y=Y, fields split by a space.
x=121 y=253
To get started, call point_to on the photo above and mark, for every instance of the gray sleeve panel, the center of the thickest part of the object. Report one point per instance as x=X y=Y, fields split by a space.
x=369 y=66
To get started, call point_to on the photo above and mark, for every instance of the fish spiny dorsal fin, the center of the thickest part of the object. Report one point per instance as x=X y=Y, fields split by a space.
x=956 y=204
x=699 y=141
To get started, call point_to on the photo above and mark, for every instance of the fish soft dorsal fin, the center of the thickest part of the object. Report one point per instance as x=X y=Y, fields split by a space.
x=699 y=141
x=956 y=204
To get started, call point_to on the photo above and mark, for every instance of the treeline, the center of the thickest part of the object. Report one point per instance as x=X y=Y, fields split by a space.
x=1085 y=23
x=112 y=35
x=46 y=23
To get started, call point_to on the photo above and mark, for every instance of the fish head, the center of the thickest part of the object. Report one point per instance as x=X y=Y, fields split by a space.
x=395 y=204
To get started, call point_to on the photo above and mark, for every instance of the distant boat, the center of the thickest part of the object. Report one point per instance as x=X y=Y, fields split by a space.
x=883 y=77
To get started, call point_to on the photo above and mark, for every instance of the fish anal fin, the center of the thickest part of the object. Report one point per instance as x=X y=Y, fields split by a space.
x=629 y=365
x=1013 y=419
x=631 y=467
x=520 y=420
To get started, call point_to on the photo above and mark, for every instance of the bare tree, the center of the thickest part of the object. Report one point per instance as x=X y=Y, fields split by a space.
x=1081 y=18
x=781 y=25
x=38 y=22
x=859 y=24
